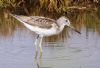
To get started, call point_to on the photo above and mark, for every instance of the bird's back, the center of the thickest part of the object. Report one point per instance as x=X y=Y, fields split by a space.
x=39 y=21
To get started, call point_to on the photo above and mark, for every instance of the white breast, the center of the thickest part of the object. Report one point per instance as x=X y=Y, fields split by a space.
x=42 y=31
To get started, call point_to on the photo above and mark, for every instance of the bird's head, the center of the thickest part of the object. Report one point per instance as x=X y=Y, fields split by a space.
x=65 y=21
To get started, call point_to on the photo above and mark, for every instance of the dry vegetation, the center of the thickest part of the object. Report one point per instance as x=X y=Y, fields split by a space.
x=58 y=6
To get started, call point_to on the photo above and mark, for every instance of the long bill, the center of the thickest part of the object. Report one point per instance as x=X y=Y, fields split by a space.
x=74 y=29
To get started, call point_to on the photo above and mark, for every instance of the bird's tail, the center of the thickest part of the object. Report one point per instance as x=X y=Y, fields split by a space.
x=18 y=17
x=13 y=15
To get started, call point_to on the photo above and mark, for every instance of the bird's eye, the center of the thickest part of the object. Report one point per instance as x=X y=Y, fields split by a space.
x=66 y=20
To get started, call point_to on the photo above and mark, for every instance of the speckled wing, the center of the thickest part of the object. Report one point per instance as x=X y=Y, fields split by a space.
x=41 y=22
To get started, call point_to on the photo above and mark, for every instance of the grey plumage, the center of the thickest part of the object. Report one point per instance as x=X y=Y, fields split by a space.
x=42 y=22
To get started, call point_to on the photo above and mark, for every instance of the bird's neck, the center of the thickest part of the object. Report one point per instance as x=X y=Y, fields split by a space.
x=60 y=29
x=60 y=24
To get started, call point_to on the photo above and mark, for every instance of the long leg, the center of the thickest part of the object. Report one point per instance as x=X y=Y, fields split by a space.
x=40 y=43
x=36 y=46
x=36 y=43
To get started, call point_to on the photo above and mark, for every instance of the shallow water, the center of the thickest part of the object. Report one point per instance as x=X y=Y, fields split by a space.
x=67 y=50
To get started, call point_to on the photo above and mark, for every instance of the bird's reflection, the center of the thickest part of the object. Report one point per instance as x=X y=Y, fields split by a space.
x=36 y=55
x=39 y=61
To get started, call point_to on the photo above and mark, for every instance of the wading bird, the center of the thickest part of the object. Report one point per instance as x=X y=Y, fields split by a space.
x=44 y=26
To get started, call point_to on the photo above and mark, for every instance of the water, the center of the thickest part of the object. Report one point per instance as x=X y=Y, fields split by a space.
x=66 y=50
